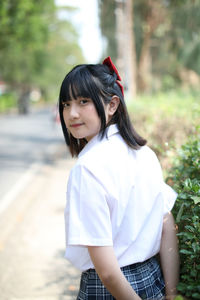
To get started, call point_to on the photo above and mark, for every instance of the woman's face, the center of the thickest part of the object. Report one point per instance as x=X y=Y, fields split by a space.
x=81 y=118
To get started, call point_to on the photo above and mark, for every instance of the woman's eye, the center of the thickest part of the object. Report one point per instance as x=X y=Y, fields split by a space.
x=65 y=104
x=83 y=101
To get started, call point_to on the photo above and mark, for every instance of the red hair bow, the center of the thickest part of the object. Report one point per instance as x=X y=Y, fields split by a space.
x=108 y=62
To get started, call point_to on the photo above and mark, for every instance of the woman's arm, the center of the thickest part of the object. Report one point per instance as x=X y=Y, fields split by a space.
x=109 y=272
x=169 y=256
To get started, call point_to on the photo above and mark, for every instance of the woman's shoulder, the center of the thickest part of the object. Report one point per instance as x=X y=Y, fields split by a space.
x=147 y=160
x=101 y=159
x=114 y=152
x=147 y=152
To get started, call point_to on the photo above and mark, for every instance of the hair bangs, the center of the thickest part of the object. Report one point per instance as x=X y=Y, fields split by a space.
x=79 y=88
x=78 y=83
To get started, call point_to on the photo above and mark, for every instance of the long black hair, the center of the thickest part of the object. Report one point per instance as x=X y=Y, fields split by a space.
x=98 y=83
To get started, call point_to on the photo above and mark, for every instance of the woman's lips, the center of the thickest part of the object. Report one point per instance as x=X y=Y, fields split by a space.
x=76 y=125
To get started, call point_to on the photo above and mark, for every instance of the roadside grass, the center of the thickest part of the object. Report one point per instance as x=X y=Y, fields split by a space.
x=166 y=120
x=7 y=102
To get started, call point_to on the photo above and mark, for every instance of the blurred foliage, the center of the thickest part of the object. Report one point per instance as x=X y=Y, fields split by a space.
x=176 y=43
x=62 y=53
x=37 y=48
x=7 y=101
x=166 y=38
x=23 y=35
x=165 y=119
x=185 y=178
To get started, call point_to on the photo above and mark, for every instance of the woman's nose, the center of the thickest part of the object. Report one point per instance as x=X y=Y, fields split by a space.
x=74 y=113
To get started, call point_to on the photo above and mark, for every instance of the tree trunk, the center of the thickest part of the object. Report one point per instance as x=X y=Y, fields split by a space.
x=126 y=52
x=120 y=28
x=24 y=101
x=144 y=65
x=131 y=64
x=155 y=16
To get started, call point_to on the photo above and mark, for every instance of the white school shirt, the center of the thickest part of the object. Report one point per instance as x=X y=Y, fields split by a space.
x=116 y=197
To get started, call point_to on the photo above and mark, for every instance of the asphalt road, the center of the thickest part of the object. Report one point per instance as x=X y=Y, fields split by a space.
x=26 y=141
x=32 y=240
x=34 y=168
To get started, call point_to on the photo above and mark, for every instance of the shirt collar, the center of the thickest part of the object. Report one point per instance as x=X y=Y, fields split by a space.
x=110 y=130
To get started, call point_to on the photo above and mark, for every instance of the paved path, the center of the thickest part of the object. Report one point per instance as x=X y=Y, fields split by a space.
x=26 y=140
x=32 y=240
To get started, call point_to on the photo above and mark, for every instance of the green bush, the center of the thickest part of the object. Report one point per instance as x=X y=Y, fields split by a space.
x=185 y=177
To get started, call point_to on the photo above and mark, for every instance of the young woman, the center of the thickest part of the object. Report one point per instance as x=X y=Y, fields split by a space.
x=118 y=206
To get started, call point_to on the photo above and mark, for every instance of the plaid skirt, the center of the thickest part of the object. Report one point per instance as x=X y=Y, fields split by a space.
x=145 y=278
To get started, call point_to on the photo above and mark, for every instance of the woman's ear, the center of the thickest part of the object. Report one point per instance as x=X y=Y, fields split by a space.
x=113 y=105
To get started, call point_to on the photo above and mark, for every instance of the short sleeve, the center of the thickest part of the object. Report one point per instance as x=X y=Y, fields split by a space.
x=169 y=197
x=87 y=214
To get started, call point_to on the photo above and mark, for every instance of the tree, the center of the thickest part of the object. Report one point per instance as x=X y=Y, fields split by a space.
x=23 y=33
x=135 y=71
x=152 y=14
x=166 y=40
x=62 y=53
x=130 y=48
x=116 y=25
x=30 y=37
x=108 y=26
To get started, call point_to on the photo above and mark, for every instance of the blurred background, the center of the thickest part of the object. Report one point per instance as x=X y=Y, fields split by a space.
x=155 y=45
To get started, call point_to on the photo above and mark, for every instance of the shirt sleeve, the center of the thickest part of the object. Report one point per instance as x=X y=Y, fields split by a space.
x=87 y=214
x=169 y=197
